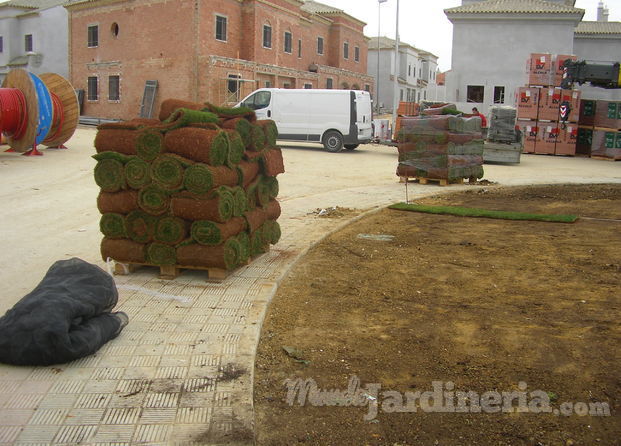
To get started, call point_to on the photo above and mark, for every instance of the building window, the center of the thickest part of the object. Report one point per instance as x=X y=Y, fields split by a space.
x=357 y=54
x=475 y=93
x=92 y=93
x=1 y=45
x=308 y=86
x=329 y=83
x=319 y=45
x=221 y=28
x=267 y=36
x=114 y=30
x=367 y=87
x=499 y=95
x=28 y=42
x=299 y=48
x=268 y=84
x=345 y=50
x=288 y=42
x=93 y=36
x=113 y=88
x=401 y=95
x=233 y=87
x=409 y=70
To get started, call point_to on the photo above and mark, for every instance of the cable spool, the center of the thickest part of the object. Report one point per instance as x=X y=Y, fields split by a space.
x=37 y=110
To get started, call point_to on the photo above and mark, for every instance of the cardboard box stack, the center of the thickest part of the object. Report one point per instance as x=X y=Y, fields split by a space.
x=539 y=103
x=606 y=141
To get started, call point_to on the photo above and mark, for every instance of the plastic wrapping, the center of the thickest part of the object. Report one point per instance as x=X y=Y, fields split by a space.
x=502 y=124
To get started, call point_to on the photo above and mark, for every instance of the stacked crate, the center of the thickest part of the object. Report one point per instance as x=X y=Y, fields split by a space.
x=196 y=190
x=606 y=141
x=539 y=103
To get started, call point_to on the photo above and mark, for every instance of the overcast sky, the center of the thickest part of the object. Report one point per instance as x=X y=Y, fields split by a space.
x=423 y=23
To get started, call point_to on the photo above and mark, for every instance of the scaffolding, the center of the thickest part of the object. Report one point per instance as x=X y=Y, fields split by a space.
x=231 y=90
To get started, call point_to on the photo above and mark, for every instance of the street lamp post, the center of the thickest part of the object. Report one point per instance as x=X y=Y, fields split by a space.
x=395 y=100
x=377 y=81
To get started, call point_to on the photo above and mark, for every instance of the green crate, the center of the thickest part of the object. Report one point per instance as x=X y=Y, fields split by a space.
x=612 y=110
x=618 y=141
x=609 y=140
x=589 y=108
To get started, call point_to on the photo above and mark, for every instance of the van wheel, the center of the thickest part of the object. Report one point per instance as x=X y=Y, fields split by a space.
x=333 y=141
x=351 y=146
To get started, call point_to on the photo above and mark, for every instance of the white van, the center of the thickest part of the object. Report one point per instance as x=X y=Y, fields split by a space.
x=335 y=118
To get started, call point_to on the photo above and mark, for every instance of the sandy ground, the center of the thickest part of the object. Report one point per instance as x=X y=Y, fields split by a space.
x=49 y=202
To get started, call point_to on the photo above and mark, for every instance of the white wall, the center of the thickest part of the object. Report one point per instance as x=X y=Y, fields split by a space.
x=604 y=50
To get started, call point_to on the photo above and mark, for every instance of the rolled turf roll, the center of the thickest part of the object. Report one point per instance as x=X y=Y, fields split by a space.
x=122 y=250
x=272 y=231
x=270 y=130
x=112 y=156
x=224 y=256
x=161 y=254
x=171 y=230
x=255 y=219
x=224 y=176
x=132 y=124
x=199 y=145
x=258 y=245
x=247 y=172
x=240 y=201
x=251 y=194
x=112 y=225
x=243 y=127
x=198 y=179
x=137 y=173
x=117 y=140
x=257 y=138
x=273 y=210
x=272 y=162
x=167 y=171
x=263 y=192
x=236 y=148
x=169 y=106
x=122 y=202
x=244 y=244
x=109 y=175
x=154 y=200
x=140 y=226
x=149 y=143
x=216 y=206
x=272 y=184
x=253 y=156
x=182 y=117
x=210 y=233
x=230 y=112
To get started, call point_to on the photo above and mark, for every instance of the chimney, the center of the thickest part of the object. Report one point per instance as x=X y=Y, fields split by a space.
x=602 y=12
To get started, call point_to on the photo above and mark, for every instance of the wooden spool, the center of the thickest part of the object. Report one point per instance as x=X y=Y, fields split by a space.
x=65 y=92
x=21 y=80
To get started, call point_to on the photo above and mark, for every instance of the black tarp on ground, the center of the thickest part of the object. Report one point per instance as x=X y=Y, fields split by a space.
x=66 y=317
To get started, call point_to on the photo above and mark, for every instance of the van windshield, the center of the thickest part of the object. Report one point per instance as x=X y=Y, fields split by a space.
x=257 y=101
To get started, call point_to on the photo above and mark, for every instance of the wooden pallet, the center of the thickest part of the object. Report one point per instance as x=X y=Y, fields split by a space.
x=442 y=182
x=170 y=272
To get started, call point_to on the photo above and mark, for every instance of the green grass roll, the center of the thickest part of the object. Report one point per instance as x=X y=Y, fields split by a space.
x=223 y=256
x=210 y=233
x=140 y=226
x=112 y=225
x=153 y=200
x=149 y=144
x=161 y=254
x=257 y=138
x=240 y=201
x=216 y=206
x=242 y=126
x=198 y=179
x=263 y=192
x=236 y=148
x=209 y=146
x=270 y=130
x=167 y=171
x=183 y=117
x=244 y=244
x=122 y=250
x=272 y=231
x=109 y=175
x=171 y=230
x=137 y=173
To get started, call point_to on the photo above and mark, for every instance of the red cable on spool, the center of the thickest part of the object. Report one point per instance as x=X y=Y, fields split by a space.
x=13 y=112
x=59 y=118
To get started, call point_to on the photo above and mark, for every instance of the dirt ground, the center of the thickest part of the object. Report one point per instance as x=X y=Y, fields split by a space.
x=484 y=304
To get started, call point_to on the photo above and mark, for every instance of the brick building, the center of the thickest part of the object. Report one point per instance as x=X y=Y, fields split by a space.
x=208 y=50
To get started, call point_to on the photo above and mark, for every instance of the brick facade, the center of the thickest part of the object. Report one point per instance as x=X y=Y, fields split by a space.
x=174 y=42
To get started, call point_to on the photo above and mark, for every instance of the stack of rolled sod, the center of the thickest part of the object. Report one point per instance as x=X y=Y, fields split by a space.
x=195 y=188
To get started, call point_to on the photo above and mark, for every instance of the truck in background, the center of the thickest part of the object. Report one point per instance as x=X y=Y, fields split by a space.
x=338 y=119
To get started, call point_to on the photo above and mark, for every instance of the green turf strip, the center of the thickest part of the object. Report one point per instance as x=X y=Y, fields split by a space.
x=473 y=212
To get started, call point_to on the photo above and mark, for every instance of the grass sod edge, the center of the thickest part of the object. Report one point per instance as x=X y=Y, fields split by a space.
x=485 y=213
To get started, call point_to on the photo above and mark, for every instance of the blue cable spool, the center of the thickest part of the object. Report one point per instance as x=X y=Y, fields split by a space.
x=46 y=111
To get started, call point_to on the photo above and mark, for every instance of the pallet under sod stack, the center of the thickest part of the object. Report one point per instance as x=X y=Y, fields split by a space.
x=195 y=189
x=445 y=148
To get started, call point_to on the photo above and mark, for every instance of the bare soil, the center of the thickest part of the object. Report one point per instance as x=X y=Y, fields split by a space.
x=485 y=304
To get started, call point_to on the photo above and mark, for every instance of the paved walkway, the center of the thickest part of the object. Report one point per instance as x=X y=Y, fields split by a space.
x=182 y=370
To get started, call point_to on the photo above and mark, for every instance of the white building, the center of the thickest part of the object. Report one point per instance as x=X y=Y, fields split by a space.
x=34 y=36
x=493 y=39
x=417 y=72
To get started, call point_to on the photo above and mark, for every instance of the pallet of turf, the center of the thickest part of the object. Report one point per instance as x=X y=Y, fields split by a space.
x=195 y=189
x=442 y=148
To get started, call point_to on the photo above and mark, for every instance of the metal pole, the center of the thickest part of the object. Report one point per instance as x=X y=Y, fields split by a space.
x=395 y=100
x=377 y=82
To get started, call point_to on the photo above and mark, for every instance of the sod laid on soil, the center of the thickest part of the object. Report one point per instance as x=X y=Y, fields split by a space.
x=474 y=212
